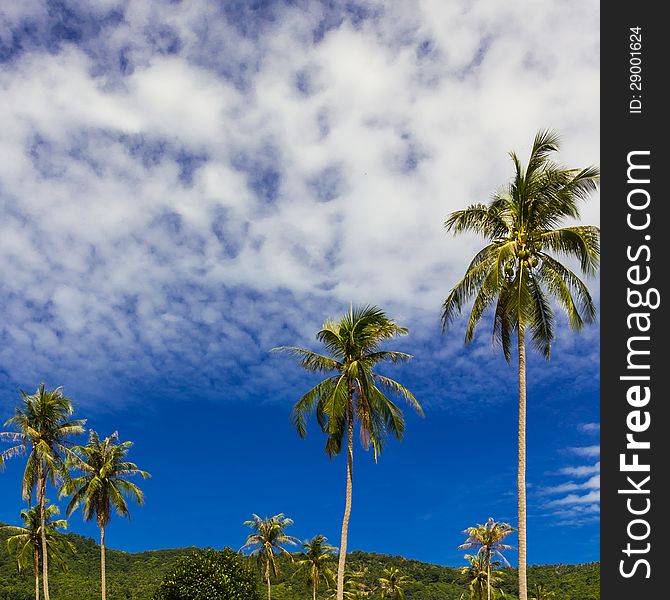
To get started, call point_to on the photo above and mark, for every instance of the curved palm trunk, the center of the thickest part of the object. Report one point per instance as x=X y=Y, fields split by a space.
x=521 y=474
x=267 y=578
x=36 y=570
x=347 y=504
x=103 y=574
x=41 y=493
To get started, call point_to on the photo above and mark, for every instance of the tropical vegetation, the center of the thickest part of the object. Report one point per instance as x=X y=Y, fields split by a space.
x=393 y=583
x=539 y=592
x=103 y=486
x=209 y=575
x=267 y=540
x=488 y=540
x=42 y=431
x=25 y=542
x=519 y=270
x=313 y=564
x=483 y=582
x=137 y=576
x=353 y=394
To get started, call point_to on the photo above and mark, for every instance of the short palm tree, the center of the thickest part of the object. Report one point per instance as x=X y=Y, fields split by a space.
x=25 y=543
x=267 y=540
x=313 y=564
x=43 y=428
x=519 y=270
x=392 y=584
x=487 y=539
x=539 y=592
x=103 y=486
x=354 y=587
x=353 y=393
x=480 y=578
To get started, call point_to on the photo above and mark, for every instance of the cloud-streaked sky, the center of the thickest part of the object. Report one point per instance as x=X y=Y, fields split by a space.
x=185 y=185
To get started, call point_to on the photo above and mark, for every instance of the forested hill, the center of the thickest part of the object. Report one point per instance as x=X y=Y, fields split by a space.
x=136 y=576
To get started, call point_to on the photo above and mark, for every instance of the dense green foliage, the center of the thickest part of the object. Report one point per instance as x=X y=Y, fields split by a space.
x=137 y=576
x=209 y=575
x=130 y=576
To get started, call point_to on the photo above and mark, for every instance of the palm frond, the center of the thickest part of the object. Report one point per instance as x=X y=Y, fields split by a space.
x=311 y=361
x=581 y=242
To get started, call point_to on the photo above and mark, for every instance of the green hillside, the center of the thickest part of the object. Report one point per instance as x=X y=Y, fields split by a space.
x=136 y=575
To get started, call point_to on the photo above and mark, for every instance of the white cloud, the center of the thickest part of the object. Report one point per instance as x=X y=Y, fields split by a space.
x=593 y=483
x=113 y=256
x=575 y=502
x=581 y=471
x=571 y=499
x=586 y=451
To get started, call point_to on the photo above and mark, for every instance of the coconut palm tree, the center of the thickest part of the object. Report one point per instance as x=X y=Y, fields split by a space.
x=353 y=393
x=43 y=428
x=103 y=485
x=480 y=578
x=354 y=587
x=392 y=583
x=267 y=540
x=313 y=563
x=519 y=270
x=26 y=542
x=539 y=592
x=487 y=539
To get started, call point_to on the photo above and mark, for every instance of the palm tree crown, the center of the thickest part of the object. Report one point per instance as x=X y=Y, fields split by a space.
x=42 y=430
x=354 y=586
x=103 y=487
x=353 y=392
x=267 y=540
x=477 y=574
x=488 y=539
x=25 y=542
x=517 y=269
x=392 y=583
x=539 y=592
x=313 y=564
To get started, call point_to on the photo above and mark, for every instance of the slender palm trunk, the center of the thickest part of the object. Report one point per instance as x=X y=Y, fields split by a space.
x=521 y=474
x=36 y=570
x=103 y=574
x=267 y=578
x=314 y=590
x=41 y=493
x=347 y=504
x=488 y=578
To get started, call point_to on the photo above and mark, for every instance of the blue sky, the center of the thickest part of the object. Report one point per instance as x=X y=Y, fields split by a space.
x=185 y=185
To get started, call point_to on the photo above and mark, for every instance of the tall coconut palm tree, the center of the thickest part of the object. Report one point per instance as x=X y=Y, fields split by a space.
x=392 y=583
x=103 y=485
x=480 y=578
x=267 y=540
x=519 y=270
x=25 y=543
x=353 y=393
x=43 y=428
x=487 y=539
x=313 y=564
